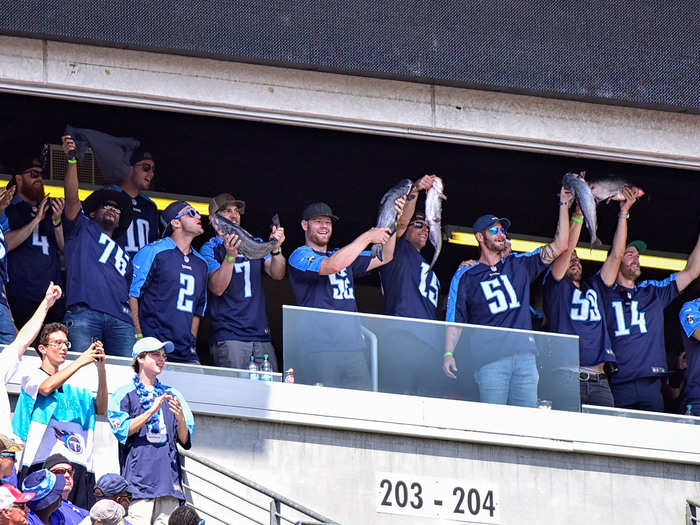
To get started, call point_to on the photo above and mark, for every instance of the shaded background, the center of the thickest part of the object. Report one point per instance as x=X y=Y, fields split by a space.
x=280 y=169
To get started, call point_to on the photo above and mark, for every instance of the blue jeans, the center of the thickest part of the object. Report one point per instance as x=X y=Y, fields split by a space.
x=512 y=380
x=643 y=393
x=7 y=327
x=84 y=324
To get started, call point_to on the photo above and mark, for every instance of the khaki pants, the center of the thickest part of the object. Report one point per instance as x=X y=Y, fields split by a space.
x=152 y=511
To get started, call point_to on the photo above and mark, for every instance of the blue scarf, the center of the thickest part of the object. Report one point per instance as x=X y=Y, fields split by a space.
x=147 y=401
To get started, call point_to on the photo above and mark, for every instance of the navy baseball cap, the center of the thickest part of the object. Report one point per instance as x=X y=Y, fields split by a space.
x=139 y=154
x=318 y=209
x=46 y=486
x=111 y=484
x=170 y=213
x=488 y=220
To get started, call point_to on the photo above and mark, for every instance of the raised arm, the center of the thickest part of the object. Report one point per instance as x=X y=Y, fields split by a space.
x=390 y=245
x=276 y=265
x=422 y=184
x=561 y=238
x=16 y=237
x=70 y=184
x=92 y=354
x=692 y=269
x=608 y=272
x=561 y=263
x=31 y=329
x=346 y=255
x=219 y=279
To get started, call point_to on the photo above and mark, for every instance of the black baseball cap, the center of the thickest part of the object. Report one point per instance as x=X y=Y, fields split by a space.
x=318 y=209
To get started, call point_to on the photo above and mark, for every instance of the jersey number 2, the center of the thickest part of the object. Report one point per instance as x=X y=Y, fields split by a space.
x=187 y=290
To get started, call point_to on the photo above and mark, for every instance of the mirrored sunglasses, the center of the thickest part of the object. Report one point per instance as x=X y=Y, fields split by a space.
x=108 y=206
x=419 y=224
x=493 y=230
x=191 y=212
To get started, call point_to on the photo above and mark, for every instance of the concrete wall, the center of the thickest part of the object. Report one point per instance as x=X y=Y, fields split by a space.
x=329 y=449
x=227 y=89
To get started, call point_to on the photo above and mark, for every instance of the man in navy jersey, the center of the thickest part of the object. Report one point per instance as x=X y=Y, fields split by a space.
x=690 y=321
x=572 y=306
x=325 y=279
x=411 y=289
x=635 y=318
x=168 y=293
x=144 y=224
x=236 y=307
x=34 y=237
x=98 y=270
x=496 y=292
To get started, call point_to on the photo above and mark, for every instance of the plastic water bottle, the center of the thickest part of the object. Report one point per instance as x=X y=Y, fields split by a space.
x=266 y=369
x=253 y=368
x=689 y=412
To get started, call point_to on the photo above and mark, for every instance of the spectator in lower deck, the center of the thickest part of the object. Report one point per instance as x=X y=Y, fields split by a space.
x=149 y=419
x=59 y=465
x=52 y=416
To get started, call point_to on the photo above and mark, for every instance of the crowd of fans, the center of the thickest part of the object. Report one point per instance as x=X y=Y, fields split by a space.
x=136 y=288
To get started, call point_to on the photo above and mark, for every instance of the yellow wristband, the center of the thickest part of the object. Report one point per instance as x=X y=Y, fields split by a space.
x=576 y=219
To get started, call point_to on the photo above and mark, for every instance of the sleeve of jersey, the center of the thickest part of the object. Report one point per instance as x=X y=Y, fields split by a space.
x=667 y=290
x=4 y=223
x=143 y=260
x=189 y=418
x=359 y=265
x=306 y=260
x=207 y=253
x=690 y=317
x=118 y=413
x=532 y=262
x=22 y=417
x=456 y=299
x=202 y=300
x=71 y=228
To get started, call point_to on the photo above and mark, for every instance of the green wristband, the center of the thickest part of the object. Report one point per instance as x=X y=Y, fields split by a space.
x=138 y=336
x=229 y=259
x=72 y=161
x=448 y=354
x=576 y=219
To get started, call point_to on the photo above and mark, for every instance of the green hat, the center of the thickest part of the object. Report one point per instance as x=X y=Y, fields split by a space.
x=641 y=246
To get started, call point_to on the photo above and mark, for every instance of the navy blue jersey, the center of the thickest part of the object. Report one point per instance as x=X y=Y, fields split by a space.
x=3 y=260
x=410 y=288
x=332 y=292
x=171 y=288
x=635 y=320
x=144 y=227
x=328 y=333
x=98 y=271
x=239 y=313
x=496 y=295
x=36 y=262
x=149 y=461
x=690 y=321
x=576 y=311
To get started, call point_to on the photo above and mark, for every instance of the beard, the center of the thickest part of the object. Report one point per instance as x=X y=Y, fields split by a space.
x=33 y=193
x=629 y=272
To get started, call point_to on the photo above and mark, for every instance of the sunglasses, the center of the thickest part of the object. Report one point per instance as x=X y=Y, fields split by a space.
x=34 y=174
x=493 y=230
x=108 y=206
x=191 y=212
x=21 y=506
x=146 y=167
x=7 y=455
x=62 y=471
x=419 y=224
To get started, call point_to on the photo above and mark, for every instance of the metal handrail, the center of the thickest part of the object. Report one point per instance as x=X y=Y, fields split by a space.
x=276 y=498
